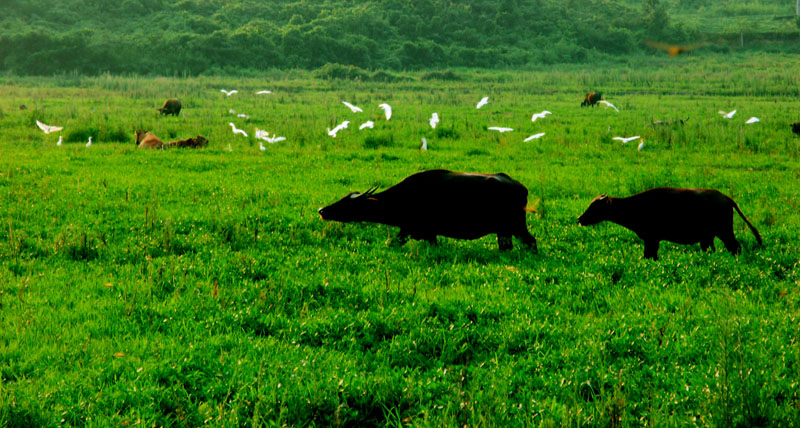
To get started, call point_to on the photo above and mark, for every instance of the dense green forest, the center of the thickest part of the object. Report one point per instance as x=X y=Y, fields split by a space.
x=200 y=36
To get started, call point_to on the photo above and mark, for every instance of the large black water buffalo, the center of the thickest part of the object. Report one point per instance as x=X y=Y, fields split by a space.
x=439 y=202
x=171 y=106
x=683 y=216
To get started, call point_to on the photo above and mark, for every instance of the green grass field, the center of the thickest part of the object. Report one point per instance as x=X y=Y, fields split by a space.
x=200 y=287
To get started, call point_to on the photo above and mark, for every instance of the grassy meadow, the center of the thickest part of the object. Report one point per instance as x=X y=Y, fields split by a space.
x=187 y=288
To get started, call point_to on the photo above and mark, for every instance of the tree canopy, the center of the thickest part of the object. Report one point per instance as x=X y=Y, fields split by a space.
x=196 y=36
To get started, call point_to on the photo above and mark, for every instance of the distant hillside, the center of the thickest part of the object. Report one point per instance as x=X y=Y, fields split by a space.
x=196 y=36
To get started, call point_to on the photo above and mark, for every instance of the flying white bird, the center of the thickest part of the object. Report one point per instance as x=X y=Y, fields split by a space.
x=60 y=138
x=47 y=128
x=641 y=146
x=352 y=108
x=387 y=109
x=263 y=92
x=534 y=137
x=339 y=127
x=89 y=144
x=482 y=102
x=243 y=116
x=753 y=120
x=228 y=93
x=434 y=120
x=424 y=145
x=608 y=104
x=500 y=129
x=540 y=115
x=727 y=115
x=368 y=124
x=264 y=135
x=626 y=140
x=276 y=139
x=237 y=130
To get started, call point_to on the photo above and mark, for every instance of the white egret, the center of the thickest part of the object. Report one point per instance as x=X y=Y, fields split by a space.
x=237 y=130
x=482 y=102
x=424 y=145
x=434 y=120
x=261 y=146
x=500 y=129
x=339 y=127
x=387 y=109
x=641 y=146
x=753 y=120
x=352 y=108
x=47 y=128
x=243 y=116
x=534 y=137
x=626 y=140
x=232 y=111
x=263 y=92
x=368 y=124
x=60 y=139
x=608 y=104
x=228 y=93
x=727 y=115
x=89 y=144
x=276 y=139
x=541 y=115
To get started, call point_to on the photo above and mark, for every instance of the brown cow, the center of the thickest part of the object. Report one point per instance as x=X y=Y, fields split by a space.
x=591 y=99
x=148 y=140
x=192 y=143
x=683 y=216
x=171 y=106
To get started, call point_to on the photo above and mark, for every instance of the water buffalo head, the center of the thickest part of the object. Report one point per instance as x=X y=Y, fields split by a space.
x=598 y=211
x=353 y=207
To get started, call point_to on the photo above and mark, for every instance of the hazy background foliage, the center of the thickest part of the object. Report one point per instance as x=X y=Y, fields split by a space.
x=198 y=36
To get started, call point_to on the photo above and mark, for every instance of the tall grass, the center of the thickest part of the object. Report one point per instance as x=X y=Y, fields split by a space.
x=199 y=287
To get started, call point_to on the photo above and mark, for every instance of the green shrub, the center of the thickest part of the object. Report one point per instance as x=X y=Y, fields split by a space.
x=341 y=72
x=446 y=75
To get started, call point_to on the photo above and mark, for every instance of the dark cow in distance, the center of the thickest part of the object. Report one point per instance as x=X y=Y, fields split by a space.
x=683 y=216
x=591 y=99
x=439 y=202
x=796 y=128
x=171 y=106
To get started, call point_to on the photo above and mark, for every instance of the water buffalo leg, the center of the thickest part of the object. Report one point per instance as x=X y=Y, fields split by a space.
x=401 y=238
x=730 y=242
x=504 y=242
x=651 y=249
x=707 y=244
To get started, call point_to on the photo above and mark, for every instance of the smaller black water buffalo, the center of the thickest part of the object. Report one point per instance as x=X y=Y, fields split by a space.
x=796 y=128
x=171 y=106
x=683 y=216
x=591 y=99
x=439 y=202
